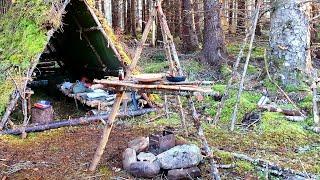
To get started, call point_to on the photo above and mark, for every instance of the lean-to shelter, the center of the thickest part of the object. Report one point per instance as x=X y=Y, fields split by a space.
x=52 y=37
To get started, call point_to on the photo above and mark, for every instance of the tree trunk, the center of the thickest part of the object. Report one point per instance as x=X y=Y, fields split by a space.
x=197 y=17
x=177 y=19
x=128 y=22
x=241 y=23
x=133 y=18
x=124 y=14
x=116 y=14
x=214 y=44
x=107 y=6
x=290 y=40
x=189 y=36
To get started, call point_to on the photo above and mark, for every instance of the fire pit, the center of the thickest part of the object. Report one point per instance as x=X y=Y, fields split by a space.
x=162 y=156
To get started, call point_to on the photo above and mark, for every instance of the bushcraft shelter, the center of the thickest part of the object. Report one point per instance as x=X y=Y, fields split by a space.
x=46 y=39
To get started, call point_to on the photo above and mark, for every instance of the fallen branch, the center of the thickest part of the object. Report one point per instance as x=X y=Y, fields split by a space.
x=73 y=122
x=273 y=168
x=287 y=112
x=314 y=129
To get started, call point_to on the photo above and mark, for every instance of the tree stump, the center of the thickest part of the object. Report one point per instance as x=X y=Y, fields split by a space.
x=42 y=116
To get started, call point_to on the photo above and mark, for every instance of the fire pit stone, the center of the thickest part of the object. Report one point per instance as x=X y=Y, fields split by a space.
x=149 y=157
x=139 y=144
x=144 y=169
x=184 y=156
x=178 y=174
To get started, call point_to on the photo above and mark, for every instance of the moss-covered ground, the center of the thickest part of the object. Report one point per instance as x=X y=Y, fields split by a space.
x=274 y=138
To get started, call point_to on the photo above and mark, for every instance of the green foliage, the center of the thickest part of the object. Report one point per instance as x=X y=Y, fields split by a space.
x=22 y=38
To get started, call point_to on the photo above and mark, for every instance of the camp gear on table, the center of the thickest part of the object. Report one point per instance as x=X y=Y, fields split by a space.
x=148 y=78
x=176 y=78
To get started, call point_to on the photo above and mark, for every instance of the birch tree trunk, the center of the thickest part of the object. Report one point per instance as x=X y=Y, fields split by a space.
x=107 y=6
x=290 y=40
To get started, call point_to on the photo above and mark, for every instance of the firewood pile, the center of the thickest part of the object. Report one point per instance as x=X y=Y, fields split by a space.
x=148 y=157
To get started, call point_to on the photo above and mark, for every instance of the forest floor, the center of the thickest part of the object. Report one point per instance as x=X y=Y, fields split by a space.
x=65 y=153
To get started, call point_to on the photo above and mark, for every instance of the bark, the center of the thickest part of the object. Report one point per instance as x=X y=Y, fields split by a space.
x=241 y=23
x=214 y=49
x=197 y=17
x=74 y=122
x=133 y=18
x=290 y=40
x=128 y=17
x=189 y=35
x=177 y=19
x=116 y=14
x=124 y=14
x=107 y=7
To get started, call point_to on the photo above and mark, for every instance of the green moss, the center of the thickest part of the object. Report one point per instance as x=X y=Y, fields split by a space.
x=270 y=86
x=248 y=103
x=156 y=67
x=275 y=129
x=306 y=103
x=105 y=171
x=32 y=138
x=224 y=157
x=244 y=166
x=257 y=51
x=193 y=67
x=252 y=69
x=219 y=88
x=226 y=71
x=174 y=120
x=22 y=39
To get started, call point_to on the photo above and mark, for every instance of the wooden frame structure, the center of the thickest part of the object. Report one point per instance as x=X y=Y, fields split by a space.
x=178 y=89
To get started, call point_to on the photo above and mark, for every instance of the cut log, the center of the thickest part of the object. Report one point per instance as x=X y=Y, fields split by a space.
x=73 y=122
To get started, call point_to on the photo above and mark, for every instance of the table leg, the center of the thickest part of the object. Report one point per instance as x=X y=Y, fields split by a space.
x=106 y=132
x=182 y=116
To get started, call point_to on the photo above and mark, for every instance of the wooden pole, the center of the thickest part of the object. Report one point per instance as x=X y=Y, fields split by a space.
x=106 y=132
x=315 y=105
x=167 y=49
x=182 y=116
x=164 y=24
x=235 y=111
x=197 y=123
x=142 y=42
